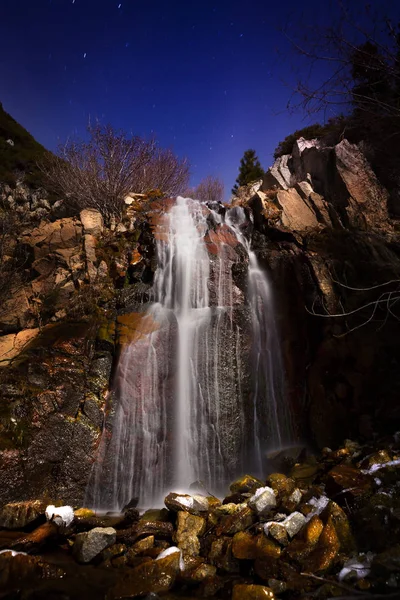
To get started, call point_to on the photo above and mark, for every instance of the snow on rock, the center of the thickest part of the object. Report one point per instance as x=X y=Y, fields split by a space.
x=61 y=515
x=356 y=567
x=319 y=504
x=263 y=500
x=377 y=466
x=291 y=525
x=13 y=552
x=172 y=550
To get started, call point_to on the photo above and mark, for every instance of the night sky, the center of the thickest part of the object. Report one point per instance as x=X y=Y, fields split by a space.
x=208 y=78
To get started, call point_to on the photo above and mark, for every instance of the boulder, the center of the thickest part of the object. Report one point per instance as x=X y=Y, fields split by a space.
x=13 y=344
x=296 y=213
x=88 y=545
x=17 y=515
x=92 y=222
x=193 y=504
x=244 y=484
x=263 y=500
x=188 y=528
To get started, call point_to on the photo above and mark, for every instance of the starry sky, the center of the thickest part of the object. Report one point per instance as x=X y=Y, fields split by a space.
x=209 y=79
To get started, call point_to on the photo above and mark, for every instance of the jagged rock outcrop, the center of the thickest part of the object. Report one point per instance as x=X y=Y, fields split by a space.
x=322 y=224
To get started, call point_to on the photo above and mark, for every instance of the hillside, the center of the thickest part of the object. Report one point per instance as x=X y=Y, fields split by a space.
x=19 y=153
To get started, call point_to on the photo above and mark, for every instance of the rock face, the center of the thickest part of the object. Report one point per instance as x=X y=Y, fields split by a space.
x=321 y=228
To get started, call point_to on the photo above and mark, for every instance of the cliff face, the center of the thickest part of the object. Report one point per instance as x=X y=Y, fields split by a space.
x=321 y=228
x=324 y=234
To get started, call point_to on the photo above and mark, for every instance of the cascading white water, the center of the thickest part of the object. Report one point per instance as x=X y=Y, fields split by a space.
x=271 y=415
x=179 y=412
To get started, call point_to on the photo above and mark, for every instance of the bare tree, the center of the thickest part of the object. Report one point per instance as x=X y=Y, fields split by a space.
x=101 y=172
x=348 y=65
x=210 y=188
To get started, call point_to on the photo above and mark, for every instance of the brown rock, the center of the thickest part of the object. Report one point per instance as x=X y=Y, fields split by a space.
x=237 y=522
x=244 y=484
x=19 y=514
x=252 y=592
x=342 y=526
x=296 y=213
x=13 y=344
x=282 y=485
x=188 y=528
x=244 y=546
x=221 y=555
x=348 y=479
x=92 y=221
x=153 y=576
x=325 y=552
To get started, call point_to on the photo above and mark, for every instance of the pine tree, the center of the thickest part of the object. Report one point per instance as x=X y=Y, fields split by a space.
x=250 y=170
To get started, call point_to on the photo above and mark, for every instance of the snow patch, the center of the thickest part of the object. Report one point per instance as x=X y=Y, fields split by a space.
x=13 y=552
x=377 y=466
x=358 y=566
x=61 y=515
x=319 y=505
x=185 y=501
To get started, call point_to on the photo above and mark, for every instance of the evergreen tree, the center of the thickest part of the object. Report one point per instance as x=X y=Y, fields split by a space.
x=250 y=170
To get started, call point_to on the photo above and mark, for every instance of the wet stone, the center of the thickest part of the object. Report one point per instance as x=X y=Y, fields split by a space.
x=142 y=545
x=277 y=531
x=282 y=485
x=188 y=528
x=252 y=592
x=239 y=521
x=19 y=514
x=244 y=484
x=221 y=555
x=193 y=504
x=348 y=481
x=152 y=576
x=342 y=526
x=325 y=552
x=263 y=500
x=294 y=523
x=244 y=546
x=89 y=544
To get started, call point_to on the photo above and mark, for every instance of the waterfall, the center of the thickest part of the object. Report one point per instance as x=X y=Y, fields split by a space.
x=199 y=387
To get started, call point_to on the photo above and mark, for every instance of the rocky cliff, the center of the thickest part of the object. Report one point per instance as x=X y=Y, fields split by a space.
x=321 y=229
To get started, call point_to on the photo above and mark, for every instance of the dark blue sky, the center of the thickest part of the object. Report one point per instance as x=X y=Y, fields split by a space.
x=209 y=78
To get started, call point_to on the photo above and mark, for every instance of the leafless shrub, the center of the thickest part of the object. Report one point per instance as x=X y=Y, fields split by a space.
x=210 y=188
x=101 y=172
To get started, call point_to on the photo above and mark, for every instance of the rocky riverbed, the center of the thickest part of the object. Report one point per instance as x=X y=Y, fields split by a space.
x=324 y=526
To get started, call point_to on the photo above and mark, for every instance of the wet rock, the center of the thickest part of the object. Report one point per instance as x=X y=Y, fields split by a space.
x=197 y=570
x=89 y=544
x=348 y=481
x=237 y=522
x=151 y=577
x=193 y=504
x=188 y=528
x=266 y=548
x=277 y=586
x=155 y=514
x=141 y=547
x=244 y=546
x=221 y=555
x=342 y=526
x=244 y=484
x=277 y=531
x=304 y=474
x=322 y=557
x=19 y=568
x=294 y=523
x=252 y=592
x=263 y=500
x=19 y=514
x=291 y=502
x=387 y=562
x=113 y=551
x=159 y=529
